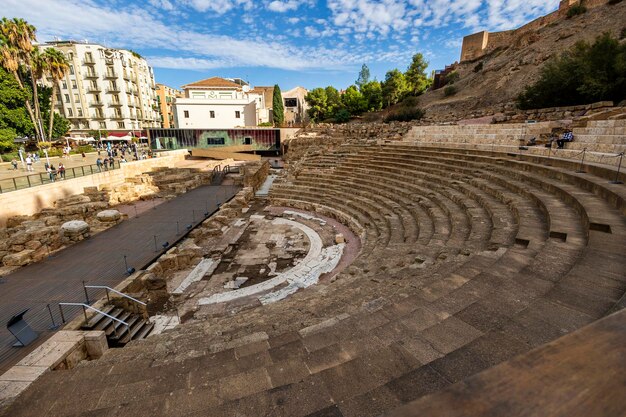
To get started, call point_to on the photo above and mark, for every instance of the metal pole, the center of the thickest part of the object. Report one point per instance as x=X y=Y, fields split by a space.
x=86 y=294
x=54 y=325
x=107 y=290
x=582 y=161
x=61 y=310
x=619 y=166
x=85 y=314
x=126 y=263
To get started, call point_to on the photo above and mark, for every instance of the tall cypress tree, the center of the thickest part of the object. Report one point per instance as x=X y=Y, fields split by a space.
x=277 y=107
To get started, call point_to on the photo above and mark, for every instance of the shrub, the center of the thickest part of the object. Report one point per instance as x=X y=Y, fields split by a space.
x=585 y=74
x=405 y=114
x=8 y=157
x=450 y=90
x=83 y=148
x=410 y=101
x=576 y=10
x=266 y=124
x=479 y=66
x=452 y=77
x=342 y=116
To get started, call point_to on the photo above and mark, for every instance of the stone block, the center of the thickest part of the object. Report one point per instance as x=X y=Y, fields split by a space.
x=339 y=238
x=74 y=228
x=18 y=259
x=96 y=343
x=109 y=216
x=72 y=201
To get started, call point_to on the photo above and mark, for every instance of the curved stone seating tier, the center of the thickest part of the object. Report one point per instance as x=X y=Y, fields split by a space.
x=607 y=137
x=410 y=316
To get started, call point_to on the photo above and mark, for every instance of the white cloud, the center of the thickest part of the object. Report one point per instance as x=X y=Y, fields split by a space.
x=510 y=14
x=218 y=6
x=162 y=4
x=283 y=6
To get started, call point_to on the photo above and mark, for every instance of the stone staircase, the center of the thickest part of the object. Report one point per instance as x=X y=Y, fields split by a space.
x=602 y=139
x=118 y=334
x=469 y=258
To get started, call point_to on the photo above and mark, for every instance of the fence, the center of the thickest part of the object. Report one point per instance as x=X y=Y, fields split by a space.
x=41 y=178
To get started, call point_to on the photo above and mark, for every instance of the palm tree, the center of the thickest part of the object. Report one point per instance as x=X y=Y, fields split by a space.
x=15 y=38
x=38 y=65
x=58 y=66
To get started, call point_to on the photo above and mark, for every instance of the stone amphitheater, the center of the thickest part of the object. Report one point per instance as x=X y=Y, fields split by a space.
x=488 y=280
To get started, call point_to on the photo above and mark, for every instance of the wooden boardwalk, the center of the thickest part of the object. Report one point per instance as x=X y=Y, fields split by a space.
x=98 y=261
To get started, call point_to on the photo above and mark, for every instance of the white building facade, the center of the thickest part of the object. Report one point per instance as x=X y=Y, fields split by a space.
x=216 y=103
x=105 y=89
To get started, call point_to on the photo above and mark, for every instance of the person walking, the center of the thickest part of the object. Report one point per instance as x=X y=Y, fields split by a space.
x=106 y=164
x=51 y=172
x=99 y=164
x=14 y=163
x=29 y=163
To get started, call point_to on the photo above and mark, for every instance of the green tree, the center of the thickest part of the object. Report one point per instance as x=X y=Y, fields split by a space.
x=7 y=136
x=278 y=109
x=61 y=126
x=416 y=77
x=394 y=87
x=364 y=76
x=16 y=46
x=373 y=94
x=585 y=74
x=98 y=134
x=333 y=101
x=58 y=66
x=13 y=114
x=354 y=101
x=318 y=103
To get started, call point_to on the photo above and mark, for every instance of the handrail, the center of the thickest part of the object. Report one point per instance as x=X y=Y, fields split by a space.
x=83 y=305
x=116 y=292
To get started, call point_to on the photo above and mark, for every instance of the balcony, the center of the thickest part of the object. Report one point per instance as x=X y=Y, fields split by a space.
x=89 y=61
x=99 y=116
x=115 y=103
x=110 y=74
x=118 y=116
x=90 y=74
x=93 y=89
x=95 y=103
x=126 y=76
x=112 y=89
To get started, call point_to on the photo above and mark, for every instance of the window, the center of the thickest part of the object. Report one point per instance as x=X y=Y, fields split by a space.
x=70 y=113
x=67 y=98
x=215 y=141
x=237 y=114
x=186 y=112
x=74 y=86
x=212 y=114
x=71 y=69
x=247 y=141
x=291 y=102
x=76 y=98
x=64 y=83
x=80 y=112
x=120 y=125
x=103 y=125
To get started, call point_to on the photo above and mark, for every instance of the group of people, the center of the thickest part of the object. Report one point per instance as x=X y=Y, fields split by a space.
x=107 y=162
x=567 y=136
x=53 y=172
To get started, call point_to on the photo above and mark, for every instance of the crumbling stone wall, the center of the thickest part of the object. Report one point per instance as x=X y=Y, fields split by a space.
x=481 y=43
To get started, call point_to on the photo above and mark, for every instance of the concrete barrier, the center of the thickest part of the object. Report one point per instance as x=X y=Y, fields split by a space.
x=31 y=200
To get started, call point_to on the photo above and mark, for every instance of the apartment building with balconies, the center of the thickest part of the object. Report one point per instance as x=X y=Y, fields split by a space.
x=106 y=89
x=166 y=96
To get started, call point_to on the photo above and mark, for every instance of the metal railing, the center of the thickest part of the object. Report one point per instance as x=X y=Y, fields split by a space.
x=42 y=178
x=87 y=306
x=107 y=289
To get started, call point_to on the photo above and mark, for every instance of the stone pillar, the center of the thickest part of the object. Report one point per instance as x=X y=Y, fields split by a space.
x=96 y=343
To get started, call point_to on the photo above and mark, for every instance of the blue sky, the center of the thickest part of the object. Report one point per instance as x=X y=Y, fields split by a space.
x=310 y=43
